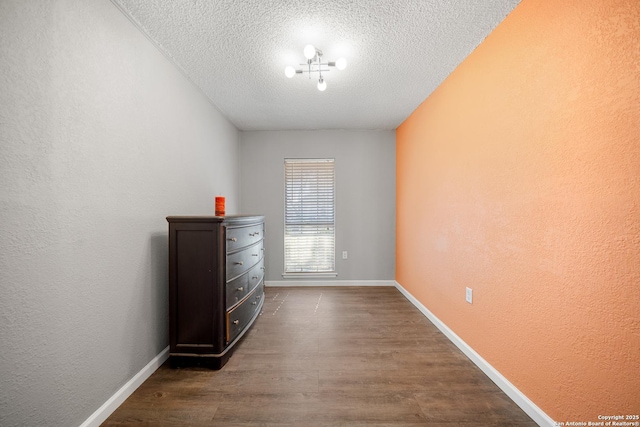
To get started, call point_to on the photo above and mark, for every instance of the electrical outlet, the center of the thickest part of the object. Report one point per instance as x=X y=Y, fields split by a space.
x=469 y=296
x=344 y=255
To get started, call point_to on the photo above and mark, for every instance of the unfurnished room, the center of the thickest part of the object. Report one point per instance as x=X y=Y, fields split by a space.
x=335 y=213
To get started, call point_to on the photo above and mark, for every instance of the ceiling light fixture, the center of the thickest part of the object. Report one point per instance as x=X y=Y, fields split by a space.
x=315 y=65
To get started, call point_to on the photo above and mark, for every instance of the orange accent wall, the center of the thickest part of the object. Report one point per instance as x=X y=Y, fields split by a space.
x=520 y=178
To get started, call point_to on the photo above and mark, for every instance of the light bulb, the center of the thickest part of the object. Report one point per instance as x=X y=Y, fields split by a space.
x=289 y=71
x=309 y=51
x=322 y=85
x=341 y=64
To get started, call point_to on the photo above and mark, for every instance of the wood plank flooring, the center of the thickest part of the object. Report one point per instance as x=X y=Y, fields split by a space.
x=329 y=357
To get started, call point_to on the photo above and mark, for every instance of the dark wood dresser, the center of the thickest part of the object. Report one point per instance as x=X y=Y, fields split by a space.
x=216 y=285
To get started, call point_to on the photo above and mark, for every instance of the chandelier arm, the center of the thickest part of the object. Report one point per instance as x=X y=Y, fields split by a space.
x=328 y=64
x=324 y=70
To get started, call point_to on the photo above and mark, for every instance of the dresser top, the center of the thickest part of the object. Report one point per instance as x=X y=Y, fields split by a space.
x=235 y=219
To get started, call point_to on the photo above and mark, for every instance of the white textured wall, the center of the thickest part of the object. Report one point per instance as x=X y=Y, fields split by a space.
x=100 y=139
x=365 y=194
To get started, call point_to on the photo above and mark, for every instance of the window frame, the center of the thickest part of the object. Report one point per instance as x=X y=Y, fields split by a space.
x=317 y=273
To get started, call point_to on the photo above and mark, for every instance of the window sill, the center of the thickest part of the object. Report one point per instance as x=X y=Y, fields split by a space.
x=308 y=275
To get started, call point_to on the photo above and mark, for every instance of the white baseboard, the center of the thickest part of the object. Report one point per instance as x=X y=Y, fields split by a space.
x=509 y=389
x=103 y=412
x=308 y=282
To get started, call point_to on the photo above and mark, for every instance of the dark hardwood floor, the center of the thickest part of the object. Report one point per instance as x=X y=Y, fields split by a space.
x=329 y=357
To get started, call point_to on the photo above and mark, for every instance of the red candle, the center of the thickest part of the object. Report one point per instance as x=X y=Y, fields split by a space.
x=219 y=206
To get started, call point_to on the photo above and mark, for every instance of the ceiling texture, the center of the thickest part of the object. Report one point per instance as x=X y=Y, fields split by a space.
x=397 y=51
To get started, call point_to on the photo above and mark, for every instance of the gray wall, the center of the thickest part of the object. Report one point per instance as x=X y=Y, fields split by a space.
x=365 y=194
x=100 y=138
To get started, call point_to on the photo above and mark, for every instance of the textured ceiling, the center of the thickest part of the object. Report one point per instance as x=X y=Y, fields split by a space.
x=398 y=52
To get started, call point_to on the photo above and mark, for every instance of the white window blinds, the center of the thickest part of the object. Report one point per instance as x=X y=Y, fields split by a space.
x=309 y=224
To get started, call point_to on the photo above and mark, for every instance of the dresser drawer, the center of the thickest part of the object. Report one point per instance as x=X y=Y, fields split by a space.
x=243 y=260
x=256 y=275
x=239 y=287
x=241 y=315
x=239 y=237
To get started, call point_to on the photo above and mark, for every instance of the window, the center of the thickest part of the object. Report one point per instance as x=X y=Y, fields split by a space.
x=309 y=216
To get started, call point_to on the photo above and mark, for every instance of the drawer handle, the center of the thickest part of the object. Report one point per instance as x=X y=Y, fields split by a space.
x=254 y=254
x=232 y=239
x=238 y=263
x=240 y=289
x=235 y=322
x=254 y=303
x=254 y=277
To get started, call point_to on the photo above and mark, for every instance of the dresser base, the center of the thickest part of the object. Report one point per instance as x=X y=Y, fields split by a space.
x=209 y=362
